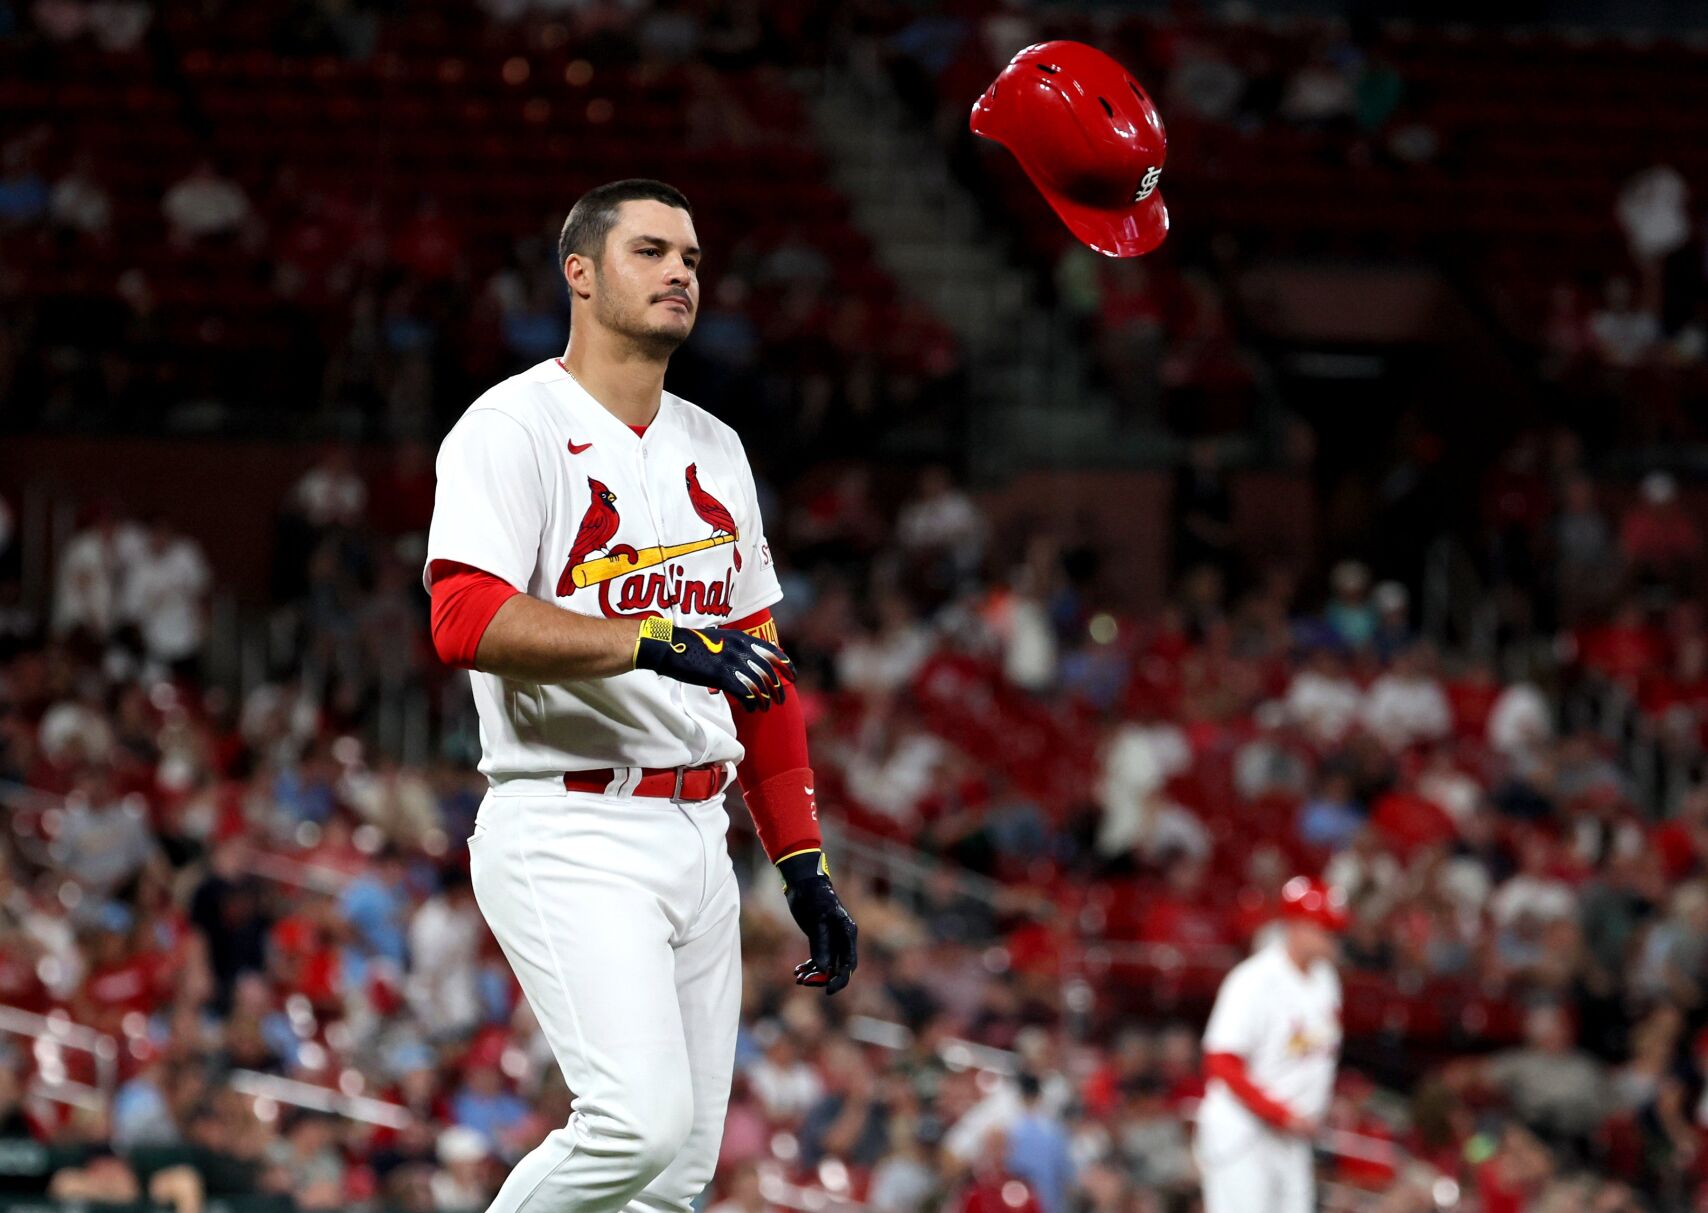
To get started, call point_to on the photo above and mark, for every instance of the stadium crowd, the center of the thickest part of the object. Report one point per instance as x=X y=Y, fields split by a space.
x=230 y=886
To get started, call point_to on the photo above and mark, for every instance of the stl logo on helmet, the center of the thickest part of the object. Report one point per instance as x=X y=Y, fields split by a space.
x=1147 y=183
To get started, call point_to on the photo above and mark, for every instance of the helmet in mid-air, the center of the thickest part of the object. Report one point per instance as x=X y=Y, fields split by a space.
x=1088 y=137
x=1307 y=899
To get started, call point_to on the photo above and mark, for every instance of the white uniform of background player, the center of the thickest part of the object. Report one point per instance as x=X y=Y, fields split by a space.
x=1281 y=1019
x=617 y=911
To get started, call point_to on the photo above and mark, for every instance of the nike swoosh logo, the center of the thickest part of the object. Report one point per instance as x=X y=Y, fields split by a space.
x=712 y=646
x=576 y=448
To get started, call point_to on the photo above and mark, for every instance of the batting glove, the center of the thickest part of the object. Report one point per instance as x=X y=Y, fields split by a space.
x=744 y=667
x=818 y=911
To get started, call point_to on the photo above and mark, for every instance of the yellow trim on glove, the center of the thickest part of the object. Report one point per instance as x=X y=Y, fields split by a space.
x=653 y=627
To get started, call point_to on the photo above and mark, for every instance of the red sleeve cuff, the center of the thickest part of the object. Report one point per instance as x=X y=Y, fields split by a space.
x=464 y=601
x=1230 y=1069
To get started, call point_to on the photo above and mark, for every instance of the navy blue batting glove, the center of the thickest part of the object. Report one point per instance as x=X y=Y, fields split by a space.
x=818 y=911
x=751 y=671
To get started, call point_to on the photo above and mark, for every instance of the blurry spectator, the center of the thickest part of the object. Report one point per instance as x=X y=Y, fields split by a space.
x=142 y=1115
x=14 y=1124
x=464 y=1179
x=1149 y=1135
x=1659 y=539
x=23 y=190
x=331 y=493
x=886 y=660
x=1323 y=698
x=1203 y=511
x=75 y=733
x=942 y=523
x=1673 y=961
x=1377 y=94
x=105 y=1178
x=89 y=583
x=376 y=906
x=444 y=940
x=742 y=1194
x=1566 y=332
x=305 y=1161
x=849 y=1122
x=1038 y=1151
x=1392 y=633
x=905 y=1181
x=104 y=838
x=1624 y=333
x=205 y=204
x=1350 y=614
x=1017 y=618
x=428 y=245
x=1275 y=762
x=1533 y=892
x=793 y=261
x=1585 y=561
x=1138 y=817
x=486 y=1105
x=992 y=1189
x=1557 y=1090
x=165 y=597
x=785 y=1083
x=1406 y=705
x=1653 y=210
x=1318 y=93
x=1206 y=83
x=79 y=202
x=1332 y=817
x=1520 y=723
x=1517 y=1170
x=227 y=908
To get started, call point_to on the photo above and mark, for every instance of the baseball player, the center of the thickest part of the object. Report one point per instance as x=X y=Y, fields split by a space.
x=597 y=559
x=1269 y=1054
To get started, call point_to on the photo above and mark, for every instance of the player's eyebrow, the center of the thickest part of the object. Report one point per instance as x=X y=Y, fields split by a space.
x=693 y=250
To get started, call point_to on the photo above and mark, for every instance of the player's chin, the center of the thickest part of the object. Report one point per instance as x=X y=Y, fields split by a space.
x=662 y=339
x=666 y=317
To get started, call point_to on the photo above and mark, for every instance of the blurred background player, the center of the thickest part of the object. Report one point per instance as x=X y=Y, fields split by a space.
x=1270 y=1051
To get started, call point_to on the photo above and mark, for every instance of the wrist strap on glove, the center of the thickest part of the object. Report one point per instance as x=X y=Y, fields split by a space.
x=654 y=629
x=802 y=865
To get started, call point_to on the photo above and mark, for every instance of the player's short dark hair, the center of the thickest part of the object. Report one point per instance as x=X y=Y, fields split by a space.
x=595 y=213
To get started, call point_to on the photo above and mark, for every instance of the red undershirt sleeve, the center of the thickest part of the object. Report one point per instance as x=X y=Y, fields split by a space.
x=464 y=601
x=776 y=776
x=1230 y=1068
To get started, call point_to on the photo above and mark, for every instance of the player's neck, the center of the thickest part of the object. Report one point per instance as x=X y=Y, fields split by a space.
x=627 y=384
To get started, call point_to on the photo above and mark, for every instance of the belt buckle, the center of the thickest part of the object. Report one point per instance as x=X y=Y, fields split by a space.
x=676 y=793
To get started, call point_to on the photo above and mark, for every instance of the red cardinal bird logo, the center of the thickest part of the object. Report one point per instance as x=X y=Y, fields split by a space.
x=712 y=511
x=598 y=527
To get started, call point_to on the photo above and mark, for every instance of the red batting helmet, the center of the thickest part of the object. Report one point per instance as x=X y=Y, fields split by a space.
x=1307 y=899
x=1088 y=137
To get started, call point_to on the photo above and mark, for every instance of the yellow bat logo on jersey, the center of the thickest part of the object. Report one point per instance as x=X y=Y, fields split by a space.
x=608 y=568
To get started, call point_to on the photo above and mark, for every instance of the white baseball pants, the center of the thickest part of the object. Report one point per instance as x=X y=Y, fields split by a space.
x=620 y=918
x=1268 y=1173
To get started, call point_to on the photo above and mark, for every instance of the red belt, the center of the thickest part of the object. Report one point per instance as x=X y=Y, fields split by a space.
x=676 y=783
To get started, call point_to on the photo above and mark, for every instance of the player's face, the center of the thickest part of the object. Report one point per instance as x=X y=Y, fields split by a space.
x=647 y=283
x=1314 y=942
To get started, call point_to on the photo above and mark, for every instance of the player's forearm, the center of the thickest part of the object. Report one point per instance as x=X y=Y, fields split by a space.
x=533 y=641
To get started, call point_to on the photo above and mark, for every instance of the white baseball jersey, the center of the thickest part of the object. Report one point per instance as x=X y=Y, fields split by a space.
x=1285 y=1023
x=540 y=485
